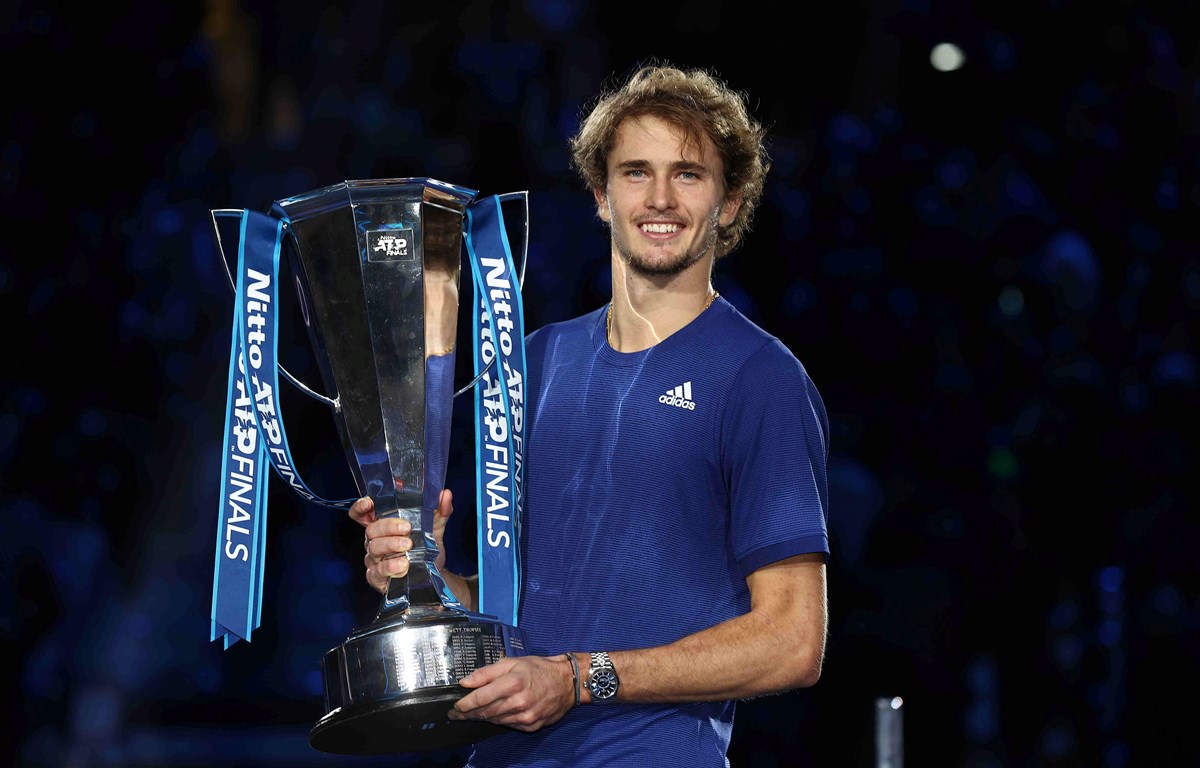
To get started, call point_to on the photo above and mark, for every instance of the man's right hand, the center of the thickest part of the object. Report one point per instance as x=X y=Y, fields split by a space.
x=387 y=539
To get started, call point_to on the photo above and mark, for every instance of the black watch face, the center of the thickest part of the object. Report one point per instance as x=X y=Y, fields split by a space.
x=604 y=683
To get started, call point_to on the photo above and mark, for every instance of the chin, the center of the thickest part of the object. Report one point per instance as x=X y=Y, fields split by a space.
x=664 y=267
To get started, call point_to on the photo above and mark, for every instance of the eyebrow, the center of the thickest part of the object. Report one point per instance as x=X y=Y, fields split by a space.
x=678 y=165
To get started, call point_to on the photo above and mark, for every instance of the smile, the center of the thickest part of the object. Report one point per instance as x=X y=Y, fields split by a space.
x=660 y=229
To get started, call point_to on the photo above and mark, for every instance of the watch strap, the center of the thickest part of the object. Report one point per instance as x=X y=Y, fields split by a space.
x=602 y=680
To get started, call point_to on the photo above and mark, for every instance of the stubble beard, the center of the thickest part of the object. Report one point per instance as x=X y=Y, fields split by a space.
x=644 y=266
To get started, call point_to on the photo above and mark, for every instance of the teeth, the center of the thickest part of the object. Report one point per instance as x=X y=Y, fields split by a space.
x=660 y=229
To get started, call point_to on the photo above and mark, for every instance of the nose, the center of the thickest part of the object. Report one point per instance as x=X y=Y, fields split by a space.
x=660 y=196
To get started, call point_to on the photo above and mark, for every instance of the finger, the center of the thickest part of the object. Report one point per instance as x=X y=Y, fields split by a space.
x=484 y=703
x=441 y=516
x=445 y=503
x=486 y=674
x=383 y=568
x=386 y=556
x=388 y=537
x=362 y=511
x=389 y=527
x=374 y=579
x=393 y=566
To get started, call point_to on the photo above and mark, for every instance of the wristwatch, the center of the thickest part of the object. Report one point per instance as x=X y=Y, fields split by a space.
x=602 y=680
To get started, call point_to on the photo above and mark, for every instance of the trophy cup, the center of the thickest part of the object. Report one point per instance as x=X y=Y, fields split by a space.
x=377 y=266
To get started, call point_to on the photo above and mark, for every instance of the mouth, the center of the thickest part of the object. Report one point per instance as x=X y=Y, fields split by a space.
x=660 y=227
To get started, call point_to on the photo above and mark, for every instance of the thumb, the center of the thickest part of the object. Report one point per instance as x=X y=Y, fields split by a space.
x=362 y=511
x=442 y=514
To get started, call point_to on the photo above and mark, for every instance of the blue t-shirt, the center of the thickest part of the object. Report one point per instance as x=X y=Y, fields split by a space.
x=656 y=481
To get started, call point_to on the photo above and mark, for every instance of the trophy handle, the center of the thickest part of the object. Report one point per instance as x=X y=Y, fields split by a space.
x=214 y=213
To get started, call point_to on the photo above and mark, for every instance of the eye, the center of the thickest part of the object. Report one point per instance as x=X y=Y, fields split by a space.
x=689 y=175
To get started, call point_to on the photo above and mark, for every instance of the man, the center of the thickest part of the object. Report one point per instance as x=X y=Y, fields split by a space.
x=675 y=527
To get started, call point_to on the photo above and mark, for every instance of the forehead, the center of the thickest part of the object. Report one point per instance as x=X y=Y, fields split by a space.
x=654 y=140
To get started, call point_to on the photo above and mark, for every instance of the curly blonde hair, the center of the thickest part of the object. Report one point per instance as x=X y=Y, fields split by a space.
x=699 y=104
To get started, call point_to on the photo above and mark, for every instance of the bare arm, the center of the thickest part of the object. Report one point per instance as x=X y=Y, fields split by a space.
x=777 y=646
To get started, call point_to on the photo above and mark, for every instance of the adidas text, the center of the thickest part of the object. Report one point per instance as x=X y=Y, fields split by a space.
x=678 y=402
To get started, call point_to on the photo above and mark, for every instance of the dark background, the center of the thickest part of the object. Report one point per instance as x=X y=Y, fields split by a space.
x=991 y=273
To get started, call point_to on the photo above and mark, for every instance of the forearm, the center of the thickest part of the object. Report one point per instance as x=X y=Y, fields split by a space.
x=778 y=645
x=738 y=659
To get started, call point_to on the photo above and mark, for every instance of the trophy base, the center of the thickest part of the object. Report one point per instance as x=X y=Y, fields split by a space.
x=417 y=724
x=389 y=686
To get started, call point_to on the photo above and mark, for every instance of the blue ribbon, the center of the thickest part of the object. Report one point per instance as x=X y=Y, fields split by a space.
x=499 y=346
x=254 y=435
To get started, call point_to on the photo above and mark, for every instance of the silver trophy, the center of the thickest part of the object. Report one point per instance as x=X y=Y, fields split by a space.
x=377 y=266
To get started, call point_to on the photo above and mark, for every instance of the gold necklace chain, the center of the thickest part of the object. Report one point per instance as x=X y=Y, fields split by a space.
x=608 y=321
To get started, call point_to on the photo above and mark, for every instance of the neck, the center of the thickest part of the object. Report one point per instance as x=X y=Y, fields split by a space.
x=646 y=309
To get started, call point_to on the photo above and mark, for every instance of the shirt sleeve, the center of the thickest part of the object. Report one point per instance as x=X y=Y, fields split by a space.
x=775 y=446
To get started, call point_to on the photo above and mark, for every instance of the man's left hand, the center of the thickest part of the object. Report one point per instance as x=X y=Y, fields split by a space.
x=522 y=692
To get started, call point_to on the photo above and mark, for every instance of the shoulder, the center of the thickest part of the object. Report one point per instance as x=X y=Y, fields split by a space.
x=579 y=324
x=767 y=366
x=757 y=350
x=550 y=337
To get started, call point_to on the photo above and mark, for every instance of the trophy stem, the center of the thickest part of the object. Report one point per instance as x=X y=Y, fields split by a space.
x=415 y=593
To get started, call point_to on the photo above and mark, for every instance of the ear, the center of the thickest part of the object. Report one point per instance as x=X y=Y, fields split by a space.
x=730 y=208
x=602 y=205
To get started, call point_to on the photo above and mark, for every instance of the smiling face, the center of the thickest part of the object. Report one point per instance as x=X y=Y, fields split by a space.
x=665 y=198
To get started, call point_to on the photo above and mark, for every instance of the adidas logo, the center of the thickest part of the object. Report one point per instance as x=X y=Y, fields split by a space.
x=680 y=397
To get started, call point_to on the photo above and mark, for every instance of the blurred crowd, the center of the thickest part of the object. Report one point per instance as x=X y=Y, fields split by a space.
x=990 y=271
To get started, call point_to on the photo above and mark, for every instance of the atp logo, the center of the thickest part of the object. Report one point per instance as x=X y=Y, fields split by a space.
x=390 y=245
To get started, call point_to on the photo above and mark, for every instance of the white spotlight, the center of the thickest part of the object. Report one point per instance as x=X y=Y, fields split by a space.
x=946 y=57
